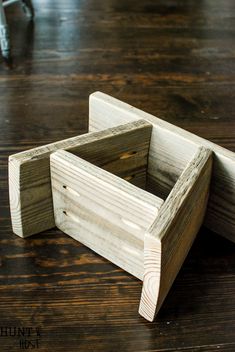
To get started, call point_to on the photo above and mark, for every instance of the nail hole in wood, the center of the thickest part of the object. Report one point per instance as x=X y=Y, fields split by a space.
x=72 y=191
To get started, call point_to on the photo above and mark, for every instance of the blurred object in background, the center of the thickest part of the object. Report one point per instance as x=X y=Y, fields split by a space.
x=4 y=32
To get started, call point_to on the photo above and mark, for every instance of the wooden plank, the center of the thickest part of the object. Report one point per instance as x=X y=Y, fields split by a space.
x=101 y=210
x=170 y=237
x=121 y=150
x=170 y=149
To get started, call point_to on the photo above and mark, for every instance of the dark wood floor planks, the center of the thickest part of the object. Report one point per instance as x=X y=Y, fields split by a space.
x=174 y=59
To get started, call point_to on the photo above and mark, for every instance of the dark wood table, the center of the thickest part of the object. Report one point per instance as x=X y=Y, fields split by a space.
x=174 y=59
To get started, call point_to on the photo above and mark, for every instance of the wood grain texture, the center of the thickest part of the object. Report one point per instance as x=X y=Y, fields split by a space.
x=174 y=59
x=170 y=148
x=104 y=212
x=122 y=150
x=170 y=237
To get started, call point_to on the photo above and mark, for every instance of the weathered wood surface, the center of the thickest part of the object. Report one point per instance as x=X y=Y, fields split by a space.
x=102 y=211
x=170 y=148
x=174 y=59
x=122 y=150
x=170 y=237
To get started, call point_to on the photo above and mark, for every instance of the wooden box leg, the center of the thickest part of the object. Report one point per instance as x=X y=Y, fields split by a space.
x=122 y=150
x=171 y=235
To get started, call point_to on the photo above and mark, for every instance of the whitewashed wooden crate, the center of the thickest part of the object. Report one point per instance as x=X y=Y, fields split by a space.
x=135 y=189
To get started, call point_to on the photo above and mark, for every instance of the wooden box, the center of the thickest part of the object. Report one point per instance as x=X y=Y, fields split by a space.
x=135 y=190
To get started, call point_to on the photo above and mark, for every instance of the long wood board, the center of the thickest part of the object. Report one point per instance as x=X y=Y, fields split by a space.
x=171 y=235
x=171 y=149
